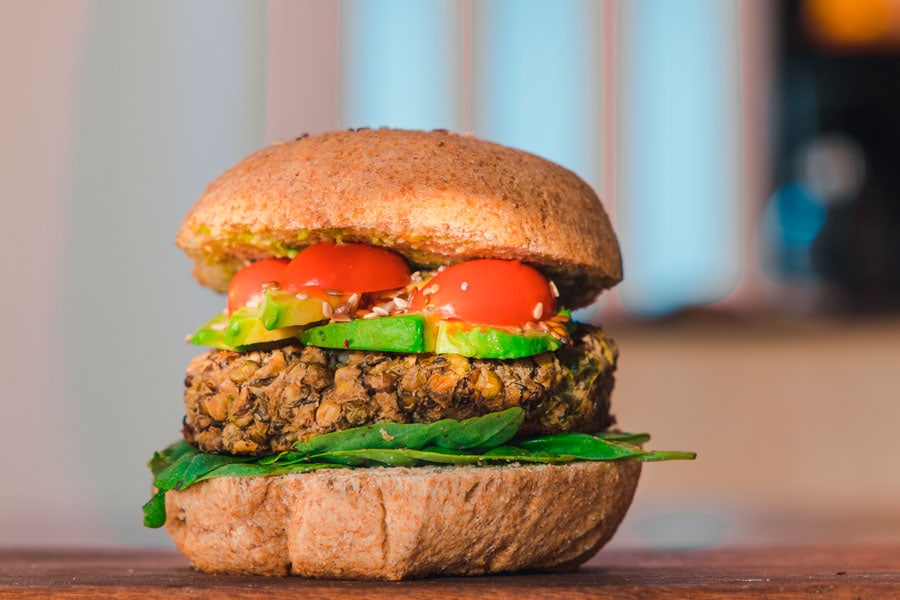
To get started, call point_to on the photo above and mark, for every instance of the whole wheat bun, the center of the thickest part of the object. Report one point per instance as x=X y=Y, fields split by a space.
x=401 y=523
x=435 y=197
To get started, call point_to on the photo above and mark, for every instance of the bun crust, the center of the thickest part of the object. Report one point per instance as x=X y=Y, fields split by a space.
x=401 y=523
x=435 y=197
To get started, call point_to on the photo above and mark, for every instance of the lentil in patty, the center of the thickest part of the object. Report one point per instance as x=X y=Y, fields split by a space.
x=261 y=402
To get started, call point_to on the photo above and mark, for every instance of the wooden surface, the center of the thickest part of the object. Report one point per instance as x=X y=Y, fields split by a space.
x=834 y=572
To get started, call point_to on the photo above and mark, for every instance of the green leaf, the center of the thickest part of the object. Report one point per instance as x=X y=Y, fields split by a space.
x=399 y=457
x=165 y=458
x=405 y=457
x=479 y=440
x=192 y=467
x=478 y=432
x=581 y=445
x=660 y=455
x=602 y=446
x=286 y=457
x=155 y=510
x=517 y=454
x=488 y=431
x=637 y=439
x=258 y=470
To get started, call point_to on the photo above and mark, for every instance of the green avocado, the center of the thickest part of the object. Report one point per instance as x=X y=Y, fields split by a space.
x=410 y=333
x=212 y=333
x=281 y=308
x=246 y=329
x=401 y=333
x=241 y=330
x=283 y=315
x=486 y=342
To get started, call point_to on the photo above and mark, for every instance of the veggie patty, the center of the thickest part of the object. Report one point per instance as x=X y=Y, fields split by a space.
x=263 y=401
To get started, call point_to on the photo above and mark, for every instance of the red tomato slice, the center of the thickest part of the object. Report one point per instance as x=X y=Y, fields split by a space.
x=247 y=284
x=488 y=291
x=346 y=267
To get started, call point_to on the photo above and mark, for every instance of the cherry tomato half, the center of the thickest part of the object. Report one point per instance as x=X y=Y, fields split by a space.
x=346 y=267
x=247 y=283
x=489 y=292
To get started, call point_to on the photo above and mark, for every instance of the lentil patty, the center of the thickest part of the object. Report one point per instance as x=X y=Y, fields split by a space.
x=263 y=401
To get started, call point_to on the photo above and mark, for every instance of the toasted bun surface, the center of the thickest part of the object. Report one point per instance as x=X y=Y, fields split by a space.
x=435 y=197
x=400 y=523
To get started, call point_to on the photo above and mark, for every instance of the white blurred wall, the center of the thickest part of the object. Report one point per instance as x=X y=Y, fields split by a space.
x=169 y=93
x=43 y=496
x=116 y=114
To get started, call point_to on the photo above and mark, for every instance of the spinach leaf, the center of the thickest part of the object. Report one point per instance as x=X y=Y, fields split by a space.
x=399 y=457
x=581 y=445
x=193 y=467
x=629 y=438
x=475 y=441
x=155 y=510
x=165 y=458
x=478 y=432
x=258 y=470
x=661 y=455
x=563 y=450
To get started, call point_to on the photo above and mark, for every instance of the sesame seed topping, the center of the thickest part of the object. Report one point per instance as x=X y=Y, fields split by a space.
x=302 y=296
x=464 y=285
x=401 y=303
x=380 y=311
x=538 y=310
x=554 y=290
x=327 y=310
x=219 y=326
x=370 y=315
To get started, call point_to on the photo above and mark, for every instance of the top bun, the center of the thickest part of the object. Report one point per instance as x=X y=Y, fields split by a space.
x=435 y=197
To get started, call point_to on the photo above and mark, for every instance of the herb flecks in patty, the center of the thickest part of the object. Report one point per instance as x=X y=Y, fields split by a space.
x=262 y=402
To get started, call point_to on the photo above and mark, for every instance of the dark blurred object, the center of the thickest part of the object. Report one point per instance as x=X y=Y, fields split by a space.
x=838 y=149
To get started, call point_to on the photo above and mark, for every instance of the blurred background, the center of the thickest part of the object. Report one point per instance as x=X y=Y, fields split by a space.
x=747 y=151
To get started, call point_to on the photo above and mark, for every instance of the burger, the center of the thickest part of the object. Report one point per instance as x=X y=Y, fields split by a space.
x=396 y=388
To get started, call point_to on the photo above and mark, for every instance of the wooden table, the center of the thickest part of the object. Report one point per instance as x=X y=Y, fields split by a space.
x=871 y=571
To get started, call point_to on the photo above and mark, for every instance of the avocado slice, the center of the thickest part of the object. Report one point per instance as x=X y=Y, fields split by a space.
x=401 y=333
x=239 y=331
x=246 y=329
x=487 y=342
x=412 y=333
x=212 y=333
x=281 y=308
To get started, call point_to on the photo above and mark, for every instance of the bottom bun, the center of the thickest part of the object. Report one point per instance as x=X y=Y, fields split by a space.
x=401 y=523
